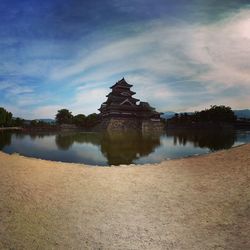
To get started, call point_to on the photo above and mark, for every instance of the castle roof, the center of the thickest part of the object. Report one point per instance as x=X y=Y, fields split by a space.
x=120 y=99
x=121 y=103
x=122 y=84
x=122 y=93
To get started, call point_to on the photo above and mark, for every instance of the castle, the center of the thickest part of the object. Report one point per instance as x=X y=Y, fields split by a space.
x=122 y=113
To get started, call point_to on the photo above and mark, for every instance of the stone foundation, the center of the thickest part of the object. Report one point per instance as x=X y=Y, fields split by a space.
x=148 y=126
x=130 y=124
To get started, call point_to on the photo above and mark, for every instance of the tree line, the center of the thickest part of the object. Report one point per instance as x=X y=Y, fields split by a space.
x=215 y=114
x=64 y=116
x=7 y=119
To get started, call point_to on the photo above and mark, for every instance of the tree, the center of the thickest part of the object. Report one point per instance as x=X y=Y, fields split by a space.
x=5 y=117
x=79 y=120
x=221 y=113
x=64 y=116
x=33 y=123
x=215 y=114
x=92 y=120
x=18 y=122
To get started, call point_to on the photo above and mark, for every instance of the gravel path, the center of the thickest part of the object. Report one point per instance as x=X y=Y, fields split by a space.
x=194 y=203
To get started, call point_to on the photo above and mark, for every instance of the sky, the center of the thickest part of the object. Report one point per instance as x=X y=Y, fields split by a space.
x=179 y=55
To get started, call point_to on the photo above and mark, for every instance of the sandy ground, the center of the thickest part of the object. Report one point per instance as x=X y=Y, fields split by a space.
x=195 y=203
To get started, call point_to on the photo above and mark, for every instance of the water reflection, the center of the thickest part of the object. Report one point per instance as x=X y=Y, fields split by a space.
x=125 y=148
x=65 y=140
x=212 y=139
x=5 y=139
x=119 y=148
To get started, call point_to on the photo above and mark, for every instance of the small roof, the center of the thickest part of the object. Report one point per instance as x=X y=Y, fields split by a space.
x=124 y=94
x=122 y=83
x=112 y=98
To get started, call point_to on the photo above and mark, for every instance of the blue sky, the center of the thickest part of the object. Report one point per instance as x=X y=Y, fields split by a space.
x=179 y=55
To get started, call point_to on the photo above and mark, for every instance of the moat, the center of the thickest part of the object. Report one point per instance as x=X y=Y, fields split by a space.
x=119 y=148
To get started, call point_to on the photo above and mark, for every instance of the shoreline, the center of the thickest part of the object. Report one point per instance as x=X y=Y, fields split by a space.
x=10 y=128
x=124 y=165
x=200 y=202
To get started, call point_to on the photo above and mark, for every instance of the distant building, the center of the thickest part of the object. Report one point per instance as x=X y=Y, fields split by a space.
x=121 y=111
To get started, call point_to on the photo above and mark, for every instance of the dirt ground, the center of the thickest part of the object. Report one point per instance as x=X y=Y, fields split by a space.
x=194 y=203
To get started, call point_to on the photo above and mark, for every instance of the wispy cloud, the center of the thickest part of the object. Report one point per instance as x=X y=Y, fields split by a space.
x=213 y=56
x=47 y=111
x=173 y=63
x=88 y=100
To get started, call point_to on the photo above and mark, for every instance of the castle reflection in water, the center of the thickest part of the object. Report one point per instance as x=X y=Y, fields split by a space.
x=116 y=147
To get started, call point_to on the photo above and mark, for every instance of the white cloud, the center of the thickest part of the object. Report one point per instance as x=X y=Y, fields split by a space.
x=4 y=85
x=215 y=55
x=49 y=111
x=88 y=101
x=17 y=90
x=162 y=62
x=222 y=48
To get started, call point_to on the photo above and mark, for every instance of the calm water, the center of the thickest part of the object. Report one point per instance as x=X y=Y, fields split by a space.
x=115 y=149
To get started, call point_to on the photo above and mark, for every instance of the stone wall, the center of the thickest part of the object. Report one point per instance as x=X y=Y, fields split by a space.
x=123 y=124
x=148 y=126
x=129 y=124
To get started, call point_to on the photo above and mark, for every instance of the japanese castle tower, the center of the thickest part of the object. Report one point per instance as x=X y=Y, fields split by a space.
x=121 y=111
